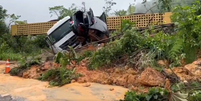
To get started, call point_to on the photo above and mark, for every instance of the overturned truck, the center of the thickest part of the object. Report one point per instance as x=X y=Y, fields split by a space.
x=77 y=30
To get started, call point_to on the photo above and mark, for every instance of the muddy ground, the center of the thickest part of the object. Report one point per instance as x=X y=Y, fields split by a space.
x=107 y=84
x=126 y=76
x=33 y=90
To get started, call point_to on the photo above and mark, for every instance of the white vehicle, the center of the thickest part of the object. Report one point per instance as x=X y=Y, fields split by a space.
x=66 y=31
x=60 y=36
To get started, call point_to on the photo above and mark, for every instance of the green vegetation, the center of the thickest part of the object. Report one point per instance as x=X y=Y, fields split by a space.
x=16 y=48
x=149 y=49
x=59 y=76
x=154 y=94
x=182 y=45
x=19 y=47
x=133 y=43
x=142 y=50
x=25 y=65
x=25 y=50
x=180 y=92
x=61 y=11
x=135 y=48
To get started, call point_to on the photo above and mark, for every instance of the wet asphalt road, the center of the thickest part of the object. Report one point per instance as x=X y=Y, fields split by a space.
x=10 y=98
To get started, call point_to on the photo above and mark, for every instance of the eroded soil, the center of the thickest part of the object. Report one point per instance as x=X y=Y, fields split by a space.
x=34 y=90
x=82 y=90
x=125 y=76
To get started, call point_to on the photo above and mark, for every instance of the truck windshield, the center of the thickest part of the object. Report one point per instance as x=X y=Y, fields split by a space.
x=60 y=32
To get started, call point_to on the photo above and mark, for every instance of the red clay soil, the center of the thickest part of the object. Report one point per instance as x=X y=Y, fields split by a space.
x=124 y=76
x=36 y=71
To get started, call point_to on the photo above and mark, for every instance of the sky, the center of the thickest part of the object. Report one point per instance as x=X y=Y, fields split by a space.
x=38 y=10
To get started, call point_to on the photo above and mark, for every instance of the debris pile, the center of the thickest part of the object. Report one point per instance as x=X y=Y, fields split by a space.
x=123 y=76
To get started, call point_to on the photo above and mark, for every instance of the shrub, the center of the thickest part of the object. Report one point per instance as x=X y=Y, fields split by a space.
x=184 y=45
x=179 y=92
x=59 y=76
x=154 y=94
x=25 y=65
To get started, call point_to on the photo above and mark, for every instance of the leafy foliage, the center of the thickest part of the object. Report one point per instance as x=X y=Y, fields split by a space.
x=132 y=44
x=114 y=50
x=3 y=13
x=120 y=13
x=154 y=94
x=186 y=91
x=131 y=9
x=174 y=48
x=188 y=20
x=108 y=6
x=59 y=76
x=180 y=92
x=64 y=58
x=195 y=96
x=61 y=11
x=14 y=48
x=25 y=64
x=165 y=5
x=13 y=18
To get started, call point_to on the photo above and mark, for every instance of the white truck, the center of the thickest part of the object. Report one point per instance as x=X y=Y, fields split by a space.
x=61 y=35
x=66 y=31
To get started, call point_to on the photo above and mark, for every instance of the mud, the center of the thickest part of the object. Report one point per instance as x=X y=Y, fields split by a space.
x=189 y=72
x=34 y=90
x=123 y=76
x=79 y=89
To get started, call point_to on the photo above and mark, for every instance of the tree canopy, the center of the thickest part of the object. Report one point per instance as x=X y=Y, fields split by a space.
x=61 y=11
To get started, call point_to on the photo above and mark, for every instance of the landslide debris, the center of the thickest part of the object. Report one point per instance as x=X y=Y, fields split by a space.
x=123 y=76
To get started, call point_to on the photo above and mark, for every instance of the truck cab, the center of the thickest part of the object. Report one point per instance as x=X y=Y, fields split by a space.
x=60 y=36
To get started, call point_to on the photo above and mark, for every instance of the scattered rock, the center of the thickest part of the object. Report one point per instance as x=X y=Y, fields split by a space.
x=73 y=81
x=87 y=85
x=123 y=75
x=126 y=67
x=163 y=63
x=140 y=89
x=111 y=89
x=167 y=85
x=118 y=70
x=132 y=71
x=47 y=65
x=194 y=69
x=5 y=98
x=184 y=74
x=10 y=98
x=151 y=77
x=34 y=73
x=197 y=62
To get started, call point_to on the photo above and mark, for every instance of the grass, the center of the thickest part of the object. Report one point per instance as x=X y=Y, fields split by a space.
x=11 y=56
